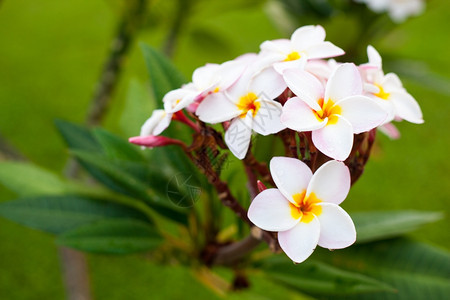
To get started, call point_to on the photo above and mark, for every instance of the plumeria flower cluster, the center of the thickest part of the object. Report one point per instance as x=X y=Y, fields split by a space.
x=293 y=87
x=398 y=10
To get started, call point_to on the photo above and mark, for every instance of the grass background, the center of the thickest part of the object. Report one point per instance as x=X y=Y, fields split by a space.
x=51 y=54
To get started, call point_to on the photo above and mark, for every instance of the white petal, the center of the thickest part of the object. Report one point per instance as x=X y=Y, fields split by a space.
x=406 y=107
x=238 y=135
x=290 y=175
x=299 y=242
x=331 y=182
x=178 y=99
x=305 y=86
x=362 y=112
x=335 y=140
x=324 y=50
x=307 y=36
x=337 y=230
x=205 y=76
x=268 y=84
x=156 y=124
x=391 y=83
x=217 y=108
x=229 y=73
x=281 y=66
x=267 y=118
x=374 y=56
x=281 y=47
x=271 y=211
x=344 y=82
x=297 y=115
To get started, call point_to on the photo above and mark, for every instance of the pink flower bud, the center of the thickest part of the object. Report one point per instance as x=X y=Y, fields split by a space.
x=261 y=186
x=153 y=141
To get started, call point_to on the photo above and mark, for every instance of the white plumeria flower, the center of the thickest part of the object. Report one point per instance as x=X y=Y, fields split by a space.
x=398 y=10
x=307 y=42
x=333 y=113
x=322 y=69
x=305 y=210
x=387 y=90
x=249 y=105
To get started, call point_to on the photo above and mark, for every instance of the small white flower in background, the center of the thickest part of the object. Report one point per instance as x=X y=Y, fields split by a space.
x=333 y=113
x=398 y=10
x=307 y=42
x=387 y=90
x=304 y=209
x=249 y=105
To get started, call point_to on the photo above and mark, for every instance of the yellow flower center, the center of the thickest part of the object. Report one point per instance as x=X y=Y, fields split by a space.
x=292 y=56
x=305 y=208
x=248 y=103
x=382 y=94
x=328 y=110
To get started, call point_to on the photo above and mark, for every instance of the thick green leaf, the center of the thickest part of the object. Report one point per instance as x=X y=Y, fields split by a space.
x=164 y=77
x=57 y=214
x=117 y=148
x=414 y=269
x=117 y=179
x=26 y=179
x=372 y=226
x=112 y=236
x=317 y=278
x=77 y=137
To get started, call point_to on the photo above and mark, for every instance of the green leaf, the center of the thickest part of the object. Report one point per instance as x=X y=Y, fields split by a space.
x=317 y=278
x=57 y=214
x=138 y=108
x=414 y=269
x=164 y=77
x=372 y=226
x=77 y=137
x=117 y=179
x=117 y=148
x=112 y=236
x=26 y=179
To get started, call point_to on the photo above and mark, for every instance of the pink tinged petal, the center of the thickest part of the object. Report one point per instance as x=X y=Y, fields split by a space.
x=307 y=36
x=230 y=72
x=335 y=139
x=217 y=108
x=297 y=115
x=324 y=50
x=390 y=130
x=268 y=84
x=374 y=56
x=331 y=182
x=267 y=119
x=299 y=242
x=362 y=112
x=290 y=175
x=238 y=135
x=307 y=87
x=337 y=230
x=406 y=107
x=271 y=211
x=344 y=82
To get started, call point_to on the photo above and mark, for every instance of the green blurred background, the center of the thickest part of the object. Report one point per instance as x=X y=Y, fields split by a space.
x=51 y=56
